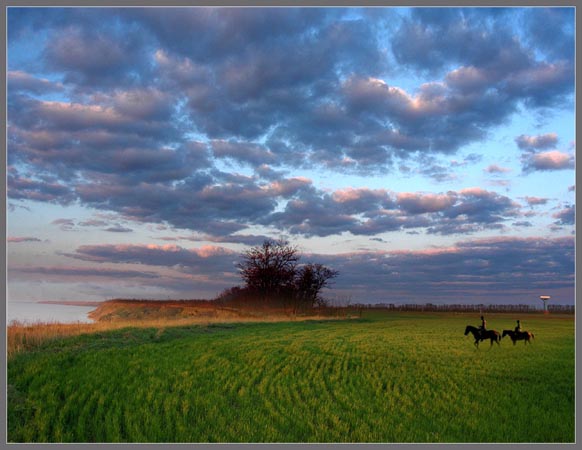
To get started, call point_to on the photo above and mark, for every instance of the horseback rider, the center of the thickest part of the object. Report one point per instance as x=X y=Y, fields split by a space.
x=518 y=327
x=483 y=327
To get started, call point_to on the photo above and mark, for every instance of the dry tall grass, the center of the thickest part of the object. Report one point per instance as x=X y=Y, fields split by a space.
x=23 y=336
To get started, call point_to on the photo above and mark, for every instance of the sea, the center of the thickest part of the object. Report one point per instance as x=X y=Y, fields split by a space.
x=34 y=312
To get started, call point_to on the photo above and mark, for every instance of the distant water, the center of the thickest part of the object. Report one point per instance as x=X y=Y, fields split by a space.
x=31 y=312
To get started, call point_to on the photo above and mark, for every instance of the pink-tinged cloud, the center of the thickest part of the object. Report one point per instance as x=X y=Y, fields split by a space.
x=539 y=142
x=376 y=93
x=76 y=115
x=17 y=240
x=207 y=251
x=495 y=169
x=288 y=187
x=92 y=223
x=349 y=194
x=18 y=80
x=551 y=160
x=468 y=78
x=475 y=192
x=205 y=258
x=367 y=212
x=246 y=239
x=204 y=252
x=424 y=203
x=534 y=201
x=432 y=251
x=352 y=201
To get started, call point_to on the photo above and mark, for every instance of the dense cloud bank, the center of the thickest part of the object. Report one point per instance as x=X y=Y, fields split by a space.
x=136 y=110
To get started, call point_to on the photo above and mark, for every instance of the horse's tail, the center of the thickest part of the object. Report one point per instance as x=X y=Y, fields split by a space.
x=532 y=335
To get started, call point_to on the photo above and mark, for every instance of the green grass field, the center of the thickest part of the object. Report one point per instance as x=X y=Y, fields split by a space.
x=388 y=377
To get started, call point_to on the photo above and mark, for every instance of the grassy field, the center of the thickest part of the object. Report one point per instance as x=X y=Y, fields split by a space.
x=387 y=377
x=118 y=314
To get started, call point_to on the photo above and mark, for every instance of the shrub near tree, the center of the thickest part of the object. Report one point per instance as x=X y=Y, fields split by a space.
x=310 y=279
x=273 y=276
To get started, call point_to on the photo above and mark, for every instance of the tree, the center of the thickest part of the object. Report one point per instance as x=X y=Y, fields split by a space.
x=272 y=274
x=309 y=281
x=269 y=270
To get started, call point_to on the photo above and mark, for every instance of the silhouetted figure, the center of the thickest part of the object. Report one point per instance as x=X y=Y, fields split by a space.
x=492 y=335
x=483 y=327
x=524 y=335
x=518 y=327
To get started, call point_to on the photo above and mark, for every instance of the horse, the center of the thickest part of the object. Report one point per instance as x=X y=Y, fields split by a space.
x=492 y=335
x=524 y=336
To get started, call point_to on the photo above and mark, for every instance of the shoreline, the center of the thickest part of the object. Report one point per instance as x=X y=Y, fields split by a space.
x=70 y=303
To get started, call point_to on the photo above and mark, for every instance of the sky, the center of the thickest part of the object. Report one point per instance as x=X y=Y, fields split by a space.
x=427 y=154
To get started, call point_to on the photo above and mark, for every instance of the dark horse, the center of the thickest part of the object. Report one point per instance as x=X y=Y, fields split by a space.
x=524 y=336
x=492 y=335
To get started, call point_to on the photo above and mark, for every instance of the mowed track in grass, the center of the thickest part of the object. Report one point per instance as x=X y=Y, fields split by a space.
x=388 y=377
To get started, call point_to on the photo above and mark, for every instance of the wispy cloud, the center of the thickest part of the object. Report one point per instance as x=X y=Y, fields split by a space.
x=17 y=240
x=495 y=169
x=71 y=273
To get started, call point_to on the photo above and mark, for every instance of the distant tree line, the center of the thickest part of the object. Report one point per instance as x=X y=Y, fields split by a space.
x=564 y=309
x=274 y=276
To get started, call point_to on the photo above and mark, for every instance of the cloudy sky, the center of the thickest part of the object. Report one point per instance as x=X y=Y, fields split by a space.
x=426 y=154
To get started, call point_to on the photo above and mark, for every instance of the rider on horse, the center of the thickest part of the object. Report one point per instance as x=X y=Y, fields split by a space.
x=483 y=327
x=518 y=327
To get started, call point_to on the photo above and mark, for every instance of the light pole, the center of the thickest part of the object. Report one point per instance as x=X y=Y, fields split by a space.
x=545 y=298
